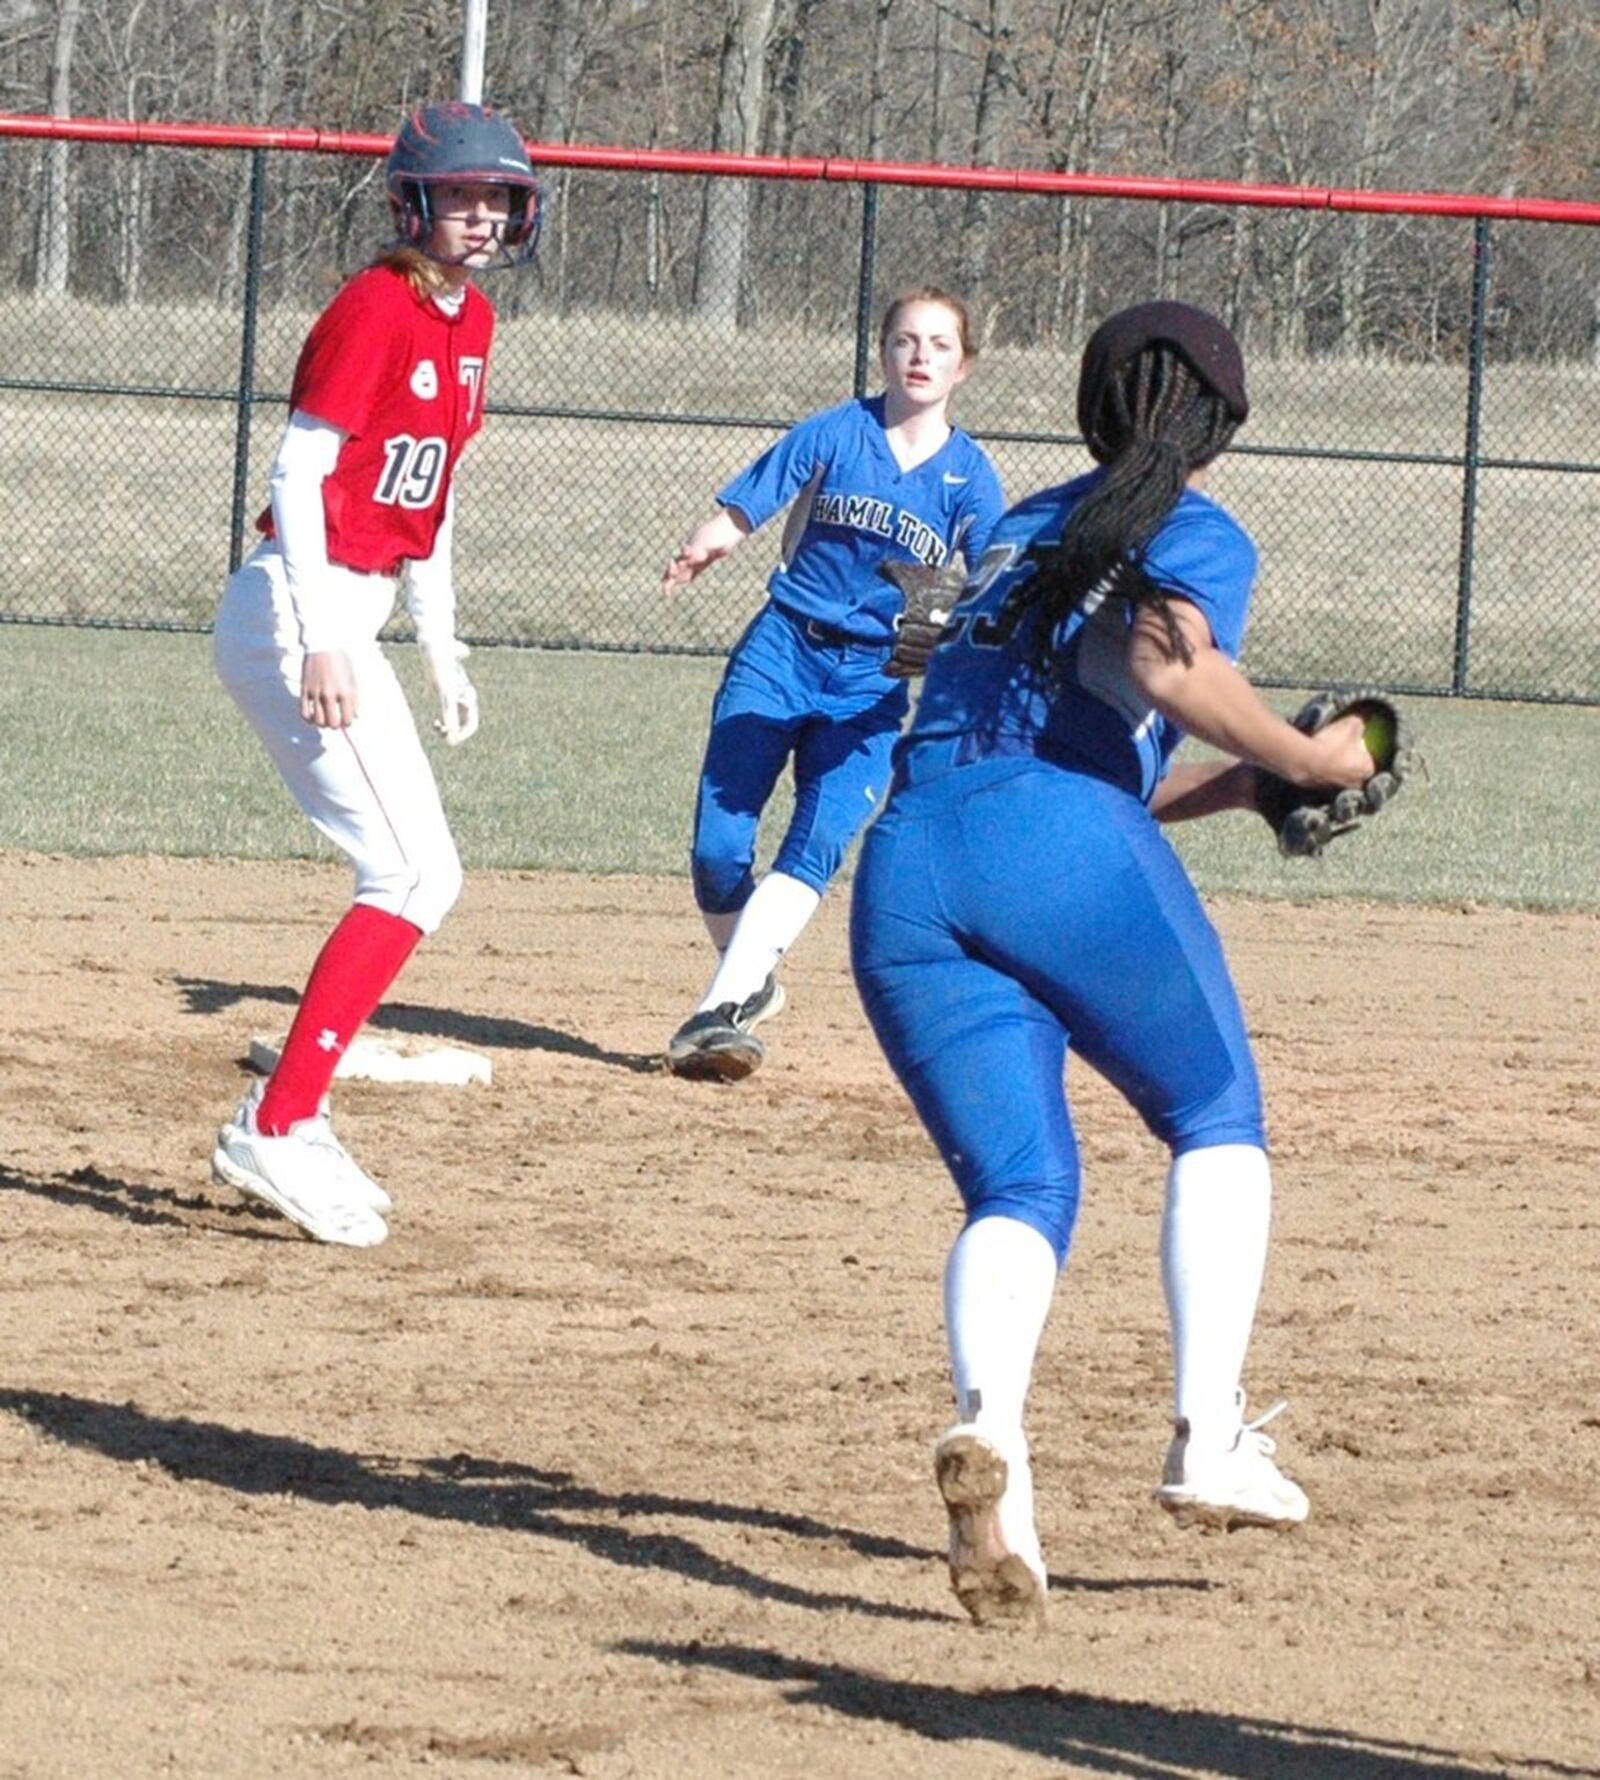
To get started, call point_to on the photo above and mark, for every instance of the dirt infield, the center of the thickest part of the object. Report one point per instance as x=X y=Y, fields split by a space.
x=614 y=1459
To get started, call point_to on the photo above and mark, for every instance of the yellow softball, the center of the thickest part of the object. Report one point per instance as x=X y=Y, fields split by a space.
x=1377 y=737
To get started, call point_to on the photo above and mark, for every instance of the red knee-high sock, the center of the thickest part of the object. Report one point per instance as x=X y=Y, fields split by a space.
x=362 y=958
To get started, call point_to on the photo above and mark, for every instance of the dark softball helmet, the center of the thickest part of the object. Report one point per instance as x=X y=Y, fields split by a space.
x=1199 y=338
x=459 y=143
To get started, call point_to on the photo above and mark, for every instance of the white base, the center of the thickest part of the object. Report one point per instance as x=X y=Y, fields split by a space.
x=389 y=1059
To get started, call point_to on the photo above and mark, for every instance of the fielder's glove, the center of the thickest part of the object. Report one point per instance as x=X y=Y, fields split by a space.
x=1305 y=819
x=456 y=696
x=930 y=596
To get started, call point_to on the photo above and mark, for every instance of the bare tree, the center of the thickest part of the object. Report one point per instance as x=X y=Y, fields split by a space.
x=790 y=58
x=1172 y=64
x=1294 y=54
x=136 y=67
x=876 y=147
x=995 y=30
x=53 y=267
x=1244 y=28
x=725 y=218
x=938 y=85
x=565 y=52
x=1391 y=70
x=1526 y=52
x=1063 y=84
x=1492 y=95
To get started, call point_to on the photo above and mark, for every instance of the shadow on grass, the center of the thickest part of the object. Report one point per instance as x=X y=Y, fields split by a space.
x=473 y=1492
x=89 y=1189
x=205 y=995
x=1091 y=1733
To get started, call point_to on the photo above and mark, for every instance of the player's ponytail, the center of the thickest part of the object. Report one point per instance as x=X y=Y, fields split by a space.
x=426 y=276
x=1161 y=394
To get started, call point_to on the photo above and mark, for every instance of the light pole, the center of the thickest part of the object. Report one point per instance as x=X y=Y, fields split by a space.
x=473 y=28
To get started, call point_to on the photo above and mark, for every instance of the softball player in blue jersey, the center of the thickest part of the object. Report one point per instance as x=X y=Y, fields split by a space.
x=871 y=481
x=1017 y=902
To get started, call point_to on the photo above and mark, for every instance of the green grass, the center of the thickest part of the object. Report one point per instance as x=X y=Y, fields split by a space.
x=122 y=742
x=565 y=522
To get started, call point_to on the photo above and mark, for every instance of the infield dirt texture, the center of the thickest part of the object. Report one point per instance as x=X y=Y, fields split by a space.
x=615 y=1459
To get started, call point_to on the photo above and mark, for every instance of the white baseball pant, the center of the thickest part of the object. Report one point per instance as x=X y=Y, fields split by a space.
x=368 y=788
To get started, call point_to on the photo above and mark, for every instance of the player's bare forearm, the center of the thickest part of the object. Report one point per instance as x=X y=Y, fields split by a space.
x=709 y=542
x=1204 y=788
x=1212 y=700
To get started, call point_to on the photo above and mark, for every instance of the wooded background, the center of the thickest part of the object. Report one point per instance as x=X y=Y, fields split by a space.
x=1493 y=96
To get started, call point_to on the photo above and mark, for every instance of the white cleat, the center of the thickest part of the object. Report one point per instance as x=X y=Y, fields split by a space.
x=1232 y=1486
x=306 y=1174
x=363 y=1188
x=996 y=1567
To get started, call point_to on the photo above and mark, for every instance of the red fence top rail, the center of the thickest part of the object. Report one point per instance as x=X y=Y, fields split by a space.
x=660 y=160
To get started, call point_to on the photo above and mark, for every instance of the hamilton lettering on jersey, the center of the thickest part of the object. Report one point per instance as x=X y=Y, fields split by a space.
x=884 y=520
x=858 y=511
x=921 y=540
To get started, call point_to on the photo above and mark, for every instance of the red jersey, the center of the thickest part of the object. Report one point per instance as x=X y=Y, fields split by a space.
x=406 y=383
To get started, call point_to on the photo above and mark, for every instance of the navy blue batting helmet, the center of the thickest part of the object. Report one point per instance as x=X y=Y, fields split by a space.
x=458 y=143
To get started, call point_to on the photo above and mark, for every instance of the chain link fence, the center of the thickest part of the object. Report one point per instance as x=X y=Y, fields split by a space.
x=1420 y=467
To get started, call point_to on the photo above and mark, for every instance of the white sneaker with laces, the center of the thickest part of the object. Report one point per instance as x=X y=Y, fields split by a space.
x=996 y=1567
x=306 y=1174
x=1236 y=1485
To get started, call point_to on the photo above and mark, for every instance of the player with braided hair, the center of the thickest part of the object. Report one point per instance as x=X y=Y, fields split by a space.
x=388 y=390
x=1156 y=411
x=1016 y=900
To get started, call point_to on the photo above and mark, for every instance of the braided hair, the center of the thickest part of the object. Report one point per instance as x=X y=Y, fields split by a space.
x=1151 y=420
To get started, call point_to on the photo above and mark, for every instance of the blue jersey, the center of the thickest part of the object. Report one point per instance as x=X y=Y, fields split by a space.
x=983 y=695
x=863 y=510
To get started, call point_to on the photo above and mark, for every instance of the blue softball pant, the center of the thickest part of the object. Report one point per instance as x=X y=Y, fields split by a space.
x=1008 y=912
x=833 y=711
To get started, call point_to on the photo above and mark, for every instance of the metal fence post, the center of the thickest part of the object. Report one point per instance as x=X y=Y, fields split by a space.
x=1471 y=453
x=869 y=249
x=247 y=355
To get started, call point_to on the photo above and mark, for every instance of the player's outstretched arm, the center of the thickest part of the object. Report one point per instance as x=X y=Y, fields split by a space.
x=709 y=542
x=1210 y=699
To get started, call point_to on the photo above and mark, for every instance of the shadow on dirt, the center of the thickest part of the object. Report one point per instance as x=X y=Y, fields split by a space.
x=1094 y=1735
x=88 y=1189
x=474 y=1492
x=205 y=995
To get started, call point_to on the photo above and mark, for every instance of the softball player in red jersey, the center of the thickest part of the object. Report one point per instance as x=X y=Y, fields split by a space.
x=389 y=388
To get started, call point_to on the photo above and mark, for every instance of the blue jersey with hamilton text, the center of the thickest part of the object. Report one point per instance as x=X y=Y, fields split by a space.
x=983 y=695
x=863 y=510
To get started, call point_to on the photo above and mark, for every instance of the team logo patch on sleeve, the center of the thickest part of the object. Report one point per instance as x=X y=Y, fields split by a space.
x=425 y=380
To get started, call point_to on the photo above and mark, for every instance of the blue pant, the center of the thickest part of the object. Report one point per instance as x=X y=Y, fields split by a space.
x=784 y=695
x=1008 y=911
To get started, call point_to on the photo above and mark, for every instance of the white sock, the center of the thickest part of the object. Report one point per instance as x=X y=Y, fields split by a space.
x=998 y=1284
x=1213 y=1254
x=720 y=927
x=770 y=922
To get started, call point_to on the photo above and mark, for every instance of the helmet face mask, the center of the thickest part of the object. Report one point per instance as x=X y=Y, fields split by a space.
x=460 y=144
